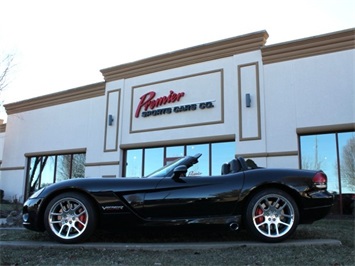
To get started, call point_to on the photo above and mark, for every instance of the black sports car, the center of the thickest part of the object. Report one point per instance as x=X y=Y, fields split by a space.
x=269 y=203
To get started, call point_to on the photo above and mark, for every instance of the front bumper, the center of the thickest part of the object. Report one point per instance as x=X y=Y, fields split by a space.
x=32 y=215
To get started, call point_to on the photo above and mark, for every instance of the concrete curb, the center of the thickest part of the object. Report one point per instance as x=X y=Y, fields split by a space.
x=169 y=246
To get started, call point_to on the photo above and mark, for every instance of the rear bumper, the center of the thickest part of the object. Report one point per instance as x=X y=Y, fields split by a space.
x=316 y=206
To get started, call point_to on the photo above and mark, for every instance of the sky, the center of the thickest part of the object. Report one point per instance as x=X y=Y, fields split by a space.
x=60 y=45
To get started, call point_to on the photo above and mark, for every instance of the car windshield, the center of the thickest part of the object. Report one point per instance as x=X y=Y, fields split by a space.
x=165 y=170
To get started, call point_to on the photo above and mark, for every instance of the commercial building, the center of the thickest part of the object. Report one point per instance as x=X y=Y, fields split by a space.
x=290 y=104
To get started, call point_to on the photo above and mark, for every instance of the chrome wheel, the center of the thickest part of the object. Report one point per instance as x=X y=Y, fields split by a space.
x=69 y=218
x=272 y=215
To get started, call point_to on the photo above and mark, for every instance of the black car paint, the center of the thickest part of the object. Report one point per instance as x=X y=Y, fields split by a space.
x=183 y=200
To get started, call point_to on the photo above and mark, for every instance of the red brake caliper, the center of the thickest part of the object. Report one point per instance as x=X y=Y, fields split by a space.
x=258 y=212
x=82 y=219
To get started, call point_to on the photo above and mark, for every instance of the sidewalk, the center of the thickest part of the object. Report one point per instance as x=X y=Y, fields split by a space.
x=169 y=246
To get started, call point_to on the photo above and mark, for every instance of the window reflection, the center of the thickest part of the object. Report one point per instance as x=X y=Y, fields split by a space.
x=48 y=171
x=35 y=172
x=324 y=151
x=78 y=165
x=63 y=167
x=203 y=165
x=134 y=162
x=172 y=153
x=154 y=159
x=213 y=156
x=319 y=153
x=347 y=161
x=221 y=153
x=175 y=151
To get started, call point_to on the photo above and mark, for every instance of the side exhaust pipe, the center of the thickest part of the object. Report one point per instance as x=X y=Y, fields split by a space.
x=234 y=226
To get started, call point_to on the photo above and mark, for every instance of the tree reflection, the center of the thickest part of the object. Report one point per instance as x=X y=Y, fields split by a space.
x=348 y=163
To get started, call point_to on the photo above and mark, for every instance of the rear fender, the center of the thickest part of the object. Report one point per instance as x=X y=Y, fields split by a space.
x=246 y=195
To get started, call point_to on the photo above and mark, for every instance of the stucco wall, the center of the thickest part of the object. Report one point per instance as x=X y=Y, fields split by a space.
x=64 y=127
x=308 y=92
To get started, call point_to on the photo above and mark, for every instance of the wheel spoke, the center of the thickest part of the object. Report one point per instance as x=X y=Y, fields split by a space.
x=81 y=213
x=76 y=229
x=258 y=216
x=61 y=229
x=282 y=206
x=276 y=202
x=285 y=224
x=68 y=232
x=82 y=223
x=287 y=215
x=263 y=224
x=77 y=207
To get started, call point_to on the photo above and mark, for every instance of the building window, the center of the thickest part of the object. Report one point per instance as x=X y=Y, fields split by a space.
x=44 y=170
x=142 y=162
x=334 y=153
x=153 y=160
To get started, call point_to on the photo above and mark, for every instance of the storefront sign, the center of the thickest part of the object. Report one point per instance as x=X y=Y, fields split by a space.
x=178 y=102
x=147 y=101
x=150 y=105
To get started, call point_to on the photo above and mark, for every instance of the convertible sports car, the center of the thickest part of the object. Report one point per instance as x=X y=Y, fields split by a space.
x=269 y=203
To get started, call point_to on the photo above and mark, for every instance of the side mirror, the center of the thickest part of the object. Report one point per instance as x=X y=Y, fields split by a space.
x=180 y=171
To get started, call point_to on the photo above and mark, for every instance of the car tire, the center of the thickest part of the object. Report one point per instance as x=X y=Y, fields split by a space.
x=271 y=215
x=70 y=218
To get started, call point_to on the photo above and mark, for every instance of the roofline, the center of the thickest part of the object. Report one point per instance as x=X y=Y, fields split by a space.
x=76 y=94
x=316 y=45
x=197 y=54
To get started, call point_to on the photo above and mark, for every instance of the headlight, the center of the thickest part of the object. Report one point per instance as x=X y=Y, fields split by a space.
x=37 y=193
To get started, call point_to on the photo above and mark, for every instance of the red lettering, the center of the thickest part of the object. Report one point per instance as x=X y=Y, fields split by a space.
x=173 y=98
x=161 y=101
x=147 y=100
x=144 y=101
x=179 y=95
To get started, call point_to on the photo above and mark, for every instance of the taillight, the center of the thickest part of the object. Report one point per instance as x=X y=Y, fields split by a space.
x=320 y=180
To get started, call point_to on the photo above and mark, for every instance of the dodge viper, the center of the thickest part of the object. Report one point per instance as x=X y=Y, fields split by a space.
x=268 y=203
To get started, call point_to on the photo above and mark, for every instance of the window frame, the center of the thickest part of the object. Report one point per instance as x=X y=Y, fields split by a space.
x=29 y=188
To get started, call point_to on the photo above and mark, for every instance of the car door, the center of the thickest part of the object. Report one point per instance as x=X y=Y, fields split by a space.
x=194 y=196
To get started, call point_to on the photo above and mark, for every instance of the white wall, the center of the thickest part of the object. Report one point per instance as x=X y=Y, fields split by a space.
x=75 y=125
x=308 y=92
x=2 y=141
